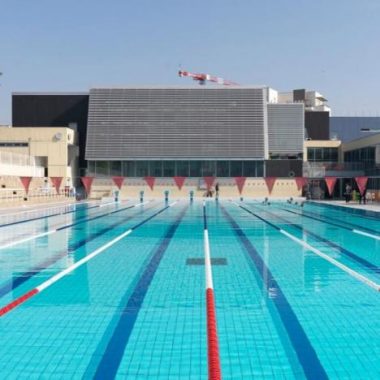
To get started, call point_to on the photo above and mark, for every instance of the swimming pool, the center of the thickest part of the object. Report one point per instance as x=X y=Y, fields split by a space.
x=121 y=291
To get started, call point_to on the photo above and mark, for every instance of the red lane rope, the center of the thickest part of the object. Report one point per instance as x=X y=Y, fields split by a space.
x=214 y=372
x=17 y=301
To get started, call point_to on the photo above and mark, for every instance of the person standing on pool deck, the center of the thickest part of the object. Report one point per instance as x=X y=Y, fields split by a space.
x=364 y=196
x=217 y=190
x=347 y=194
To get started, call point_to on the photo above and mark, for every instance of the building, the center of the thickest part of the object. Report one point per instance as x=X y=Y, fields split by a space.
x=224 y=132
x=348 y=128
x=192 y=131
x=39 y=152
x=53 y=110
x=317 y=112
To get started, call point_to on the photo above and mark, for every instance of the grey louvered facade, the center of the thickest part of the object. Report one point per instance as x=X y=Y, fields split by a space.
x=286 y=128
x=177 y=123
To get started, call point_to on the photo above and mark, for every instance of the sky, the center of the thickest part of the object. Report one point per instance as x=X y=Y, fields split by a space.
x=332 y=46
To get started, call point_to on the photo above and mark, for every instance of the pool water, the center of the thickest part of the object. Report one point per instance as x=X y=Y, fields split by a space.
x=295 y=291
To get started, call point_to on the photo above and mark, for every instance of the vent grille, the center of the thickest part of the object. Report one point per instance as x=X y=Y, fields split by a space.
x=175 y=123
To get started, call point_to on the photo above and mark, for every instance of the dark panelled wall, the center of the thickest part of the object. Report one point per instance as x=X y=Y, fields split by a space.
x=317 y=124
x=283 y=168
x=55 y=110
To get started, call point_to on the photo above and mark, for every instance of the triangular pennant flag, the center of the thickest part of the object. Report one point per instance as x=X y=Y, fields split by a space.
x=209 y=181
x=330 y=182
x=150 y=181
x=179 y=181
x=300 y=182
x=240 y=181
x=270 y=183
x=362 y=184
x=118 y=181
x=87 y=183
x=56 y=181
x=26 y=183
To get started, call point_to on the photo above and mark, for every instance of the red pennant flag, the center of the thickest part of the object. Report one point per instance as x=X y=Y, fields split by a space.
x=56 y=181
x=179 y=181
x=26 y=183
x=209 y=181
x=240 y=181
x=300 y=182
x=330 y=182
x=270 y=183
x=150 y=181
x=87 y=183
x=118 y=181
x=362 y=183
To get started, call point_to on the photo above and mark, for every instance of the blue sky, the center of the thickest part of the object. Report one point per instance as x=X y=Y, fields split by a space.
x=71 y=45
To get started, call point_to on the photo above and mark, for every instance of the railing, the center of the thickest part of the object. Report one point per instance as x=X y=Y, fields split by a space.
x=20 y=159
x=322 y=169
x=19 y=164
x=40 y=194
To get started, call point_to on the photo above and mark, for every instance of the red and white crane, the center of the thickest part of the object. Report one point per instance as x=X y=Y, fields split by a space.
x=202 y=78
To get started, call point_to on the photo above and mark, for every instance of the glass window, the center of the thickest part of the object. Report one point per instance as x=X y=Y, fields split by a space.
x=115 y=168
x=334 y=154
x=168 y=167
x=182 y=168
x=223 y=168
x=260 y=168
x=195 y=169
x=142 y=168
x=371 y=154
x=129 y=168
x=310 y=154
x=208 y=168
x=155 y=168
x=236 y=168
x=102 y=168
x=91 y=167
x=318 y=154
x=249 y=168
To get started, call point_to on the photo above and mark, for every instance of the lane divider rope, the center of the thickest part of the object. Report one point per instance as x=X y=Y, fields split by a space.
x=46 y=216
x=46 y=284
x=360 y=260
x=68 y=225
x=22 y=277
x=354 y=230
x=35 y=209
x=334 y=262
x=214 y=371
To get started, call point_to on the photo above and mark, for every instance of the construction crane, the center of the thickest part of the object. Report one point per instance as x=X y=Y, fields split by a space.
x=202 y=78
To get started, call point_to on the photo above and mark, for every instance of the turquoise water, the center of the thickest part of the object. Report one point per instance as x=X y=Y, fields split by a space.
x=137 y=310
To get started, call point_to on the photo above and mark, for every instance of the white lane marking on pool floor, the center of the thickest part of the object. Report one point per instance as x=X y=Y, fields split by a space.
x=359 y=232
x=46 y=284
x=214 y=367
x=39 y=235
x=336 y=263
x=208 y=271
x=79 y=263
x=341 y=266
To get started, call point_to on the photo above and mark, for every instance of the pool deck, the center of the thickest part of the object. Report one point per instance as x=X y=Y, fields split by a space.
x=372 y=206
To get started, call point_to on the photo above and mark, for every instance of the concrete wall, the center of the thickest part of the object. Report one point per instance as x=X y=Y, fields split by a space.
x=53 y=148
x=12 y=191
x=254 y=188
